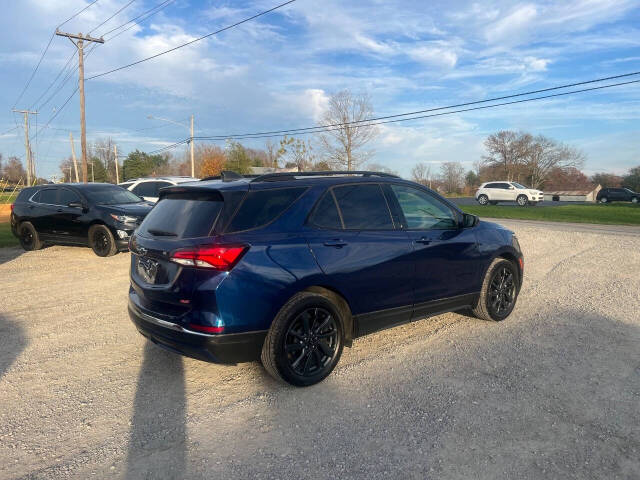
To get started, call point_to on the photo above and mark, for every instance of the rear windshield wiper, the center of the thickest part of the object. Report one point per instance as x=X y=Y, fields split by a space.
x=161 y=233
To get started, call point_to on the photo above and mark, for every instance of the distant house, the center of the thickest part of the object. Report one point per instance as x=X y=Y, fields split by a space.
x=572 y=195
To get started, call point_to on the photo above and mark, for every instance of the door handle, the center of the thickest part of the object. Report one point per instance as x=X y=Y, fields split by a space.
x=336 y=242
x=59 y=210
x=423 y=241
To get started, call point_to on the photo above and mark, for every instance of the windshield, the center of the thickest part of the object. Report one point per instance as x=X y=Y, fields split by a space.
x=111 y=195
x=517 y=185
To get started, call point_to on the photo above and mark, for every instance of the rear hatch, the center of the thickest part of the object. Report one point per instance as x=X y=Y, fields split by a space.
x=181 y=219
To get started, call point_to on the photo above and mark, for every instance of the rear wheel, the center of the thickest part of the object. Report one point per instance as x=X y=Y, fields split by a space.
x=522 y=200
x=305 y=340
x=634 y=200
x=102 y=242
x=499 y=292
x=483 y=199
x=604 y=200
x=28 y=236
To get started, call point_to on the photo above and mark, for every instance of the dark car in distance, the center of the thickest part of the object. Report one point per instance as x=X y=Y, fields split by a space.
x=100 y=215
x=289 y=268
x=607 y=195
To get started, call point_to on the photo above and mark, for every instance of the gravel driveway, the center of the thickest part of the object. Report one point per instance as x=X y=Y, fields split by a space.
x=553 y=392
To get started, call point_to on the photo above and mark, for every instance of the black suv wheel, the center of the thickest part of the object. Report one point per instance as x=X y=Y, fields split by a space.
x=305 y=340
x=499 y=292
x=28 y=236
x=102 y=242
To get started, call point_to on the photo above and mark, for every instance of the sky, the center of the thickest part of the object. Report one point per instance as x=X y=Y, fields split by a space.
x=278 y=71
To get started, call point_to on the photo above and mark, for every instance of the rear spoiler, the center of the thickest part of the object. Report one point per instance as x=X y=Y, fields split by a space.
x=191 y=192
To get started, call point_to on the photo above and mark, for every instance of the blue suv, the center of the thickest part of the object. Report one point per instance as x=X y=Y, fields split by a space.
x=289 y=268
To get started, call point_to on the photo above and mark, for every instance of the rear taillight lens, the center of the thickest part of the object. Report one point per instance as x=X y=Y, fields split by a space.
x=219 y=258
x=11 y=207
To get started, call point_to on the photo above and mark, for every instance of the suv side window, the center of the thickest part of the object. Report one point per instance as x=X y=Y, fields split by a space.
x=146 y=189
x=48 y=196
x=66 y=196
x=423 y=211
x=363 y=207
x=490 y=185
x=263 y=206
x=503 y=186
x=325 y=214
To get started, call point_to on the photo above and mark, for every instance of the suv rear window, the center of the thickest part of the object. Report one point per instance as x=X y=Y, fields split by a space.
x=263 y=206
x=182 y=216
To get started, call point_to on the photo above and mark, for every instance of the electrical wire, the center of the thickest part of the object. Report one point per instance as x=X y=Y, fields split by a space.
x=192 y=41
x=108 y=19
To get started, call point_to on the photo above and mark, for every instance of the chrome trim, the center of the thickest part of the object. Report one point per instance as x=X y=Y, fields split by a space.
x=165 y=324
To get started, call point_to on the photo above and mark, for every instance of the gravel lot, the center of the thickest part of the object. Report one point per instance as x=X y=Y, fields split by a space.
x=553 y=392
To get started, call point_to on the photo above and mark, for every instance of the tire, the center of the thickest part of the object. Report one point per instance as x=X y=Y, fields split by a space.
x=101 y=241
x=483 y=199
x=319 y=345
x=28 y=236
x=493 y=202
x=634 y=200
x=496 y=282
x=522 y=200
x=604 y=200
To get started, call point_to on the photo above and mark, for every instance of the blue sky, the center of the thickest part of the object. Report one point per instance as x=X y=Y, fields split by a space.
x=277 y=72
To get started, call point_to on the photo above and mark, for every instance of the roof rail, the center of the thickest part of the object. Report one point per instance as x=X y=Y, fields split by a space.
x=228 y=176
x=275 y=177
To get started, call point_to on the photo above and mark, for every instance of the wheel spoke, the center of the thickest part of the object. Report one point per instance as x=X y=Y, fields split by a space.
x=295 y=364
x=306 y=363
x=325 y=348
x=326 y=321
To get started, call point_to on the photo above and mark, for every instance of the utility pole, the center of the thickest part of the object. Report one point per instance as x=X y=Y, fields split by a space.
x=31 y=171
x=73 y=155
x=83 y=132
x=193 y=165
x=115 y=157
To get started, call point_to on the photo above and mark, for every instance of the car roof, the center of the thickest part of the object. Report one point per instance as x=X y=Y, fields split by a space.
x=176 y=179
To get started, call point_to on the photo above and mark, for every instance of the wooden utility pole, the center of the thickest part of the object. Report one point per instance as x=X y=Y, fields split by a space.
x=83 y=132
x=73 y=155
x=31 y=171
x=193 y=165
x=115 y=157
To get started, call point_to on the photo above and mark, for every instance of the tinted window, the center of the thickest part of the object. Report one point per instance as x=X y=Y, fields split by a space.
x=423 y=211
x=504 y=186
x=65 y=197
x=111 y=195
x=24 y=194
x=146 y=189
x=48 y=195
x=182 y=217
x=325 y=215
x=263 y=206
x=363 y=207
x=490 y=185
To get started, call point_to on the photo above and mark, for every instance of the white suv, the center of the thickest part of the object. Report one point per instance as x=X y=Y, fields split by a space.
x=148 y=188
x=494 y=192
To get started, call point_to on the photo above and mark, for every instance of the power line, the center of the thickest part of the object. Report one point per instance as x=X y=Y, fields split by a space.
x=192 y=41
x=448 y=107
x=159 y=7
x=10 y=130
x=45 y=52
x=108 y=19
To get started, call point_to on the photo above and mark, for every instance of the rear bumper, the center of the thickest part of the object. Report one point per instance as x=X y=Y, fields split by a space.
x=217 y=348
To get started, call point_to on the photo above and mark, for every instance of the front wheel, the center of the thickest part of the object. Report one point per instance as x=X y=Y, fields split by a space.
x=483 y=199
x=305 y=341
x=522 y=200
x=28 y=236
x=102 y=242
x=499 y=292
x=604 y=200
x=634 y=200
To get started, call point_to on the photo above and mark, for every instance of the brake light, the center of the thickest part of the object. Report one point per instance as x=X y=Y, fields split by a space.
x=220 y=258
x=11 y=207
x=205 y=329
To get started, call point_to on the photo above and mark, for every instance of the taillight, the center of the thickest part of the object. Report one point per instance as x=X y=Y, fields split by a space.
x=220 y=258
x=11 y=207
x=206 y=329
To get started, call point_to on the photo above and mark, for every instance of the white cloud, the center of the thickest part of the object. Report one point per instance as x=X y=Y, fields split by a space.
x=513 y=27
x=434 y=55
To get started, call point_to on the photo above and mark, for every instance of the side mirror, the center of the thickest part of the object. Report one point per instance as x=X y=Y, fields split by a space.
x=511 y=187
x=469 y=220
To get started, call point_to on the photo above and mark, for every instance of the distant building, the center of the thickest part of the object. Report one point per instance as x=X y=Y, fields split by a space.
x=572 y=195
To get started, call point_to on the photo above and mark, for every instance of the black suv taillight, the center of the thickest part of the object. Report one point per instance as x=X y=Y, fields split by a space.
x=215 y=257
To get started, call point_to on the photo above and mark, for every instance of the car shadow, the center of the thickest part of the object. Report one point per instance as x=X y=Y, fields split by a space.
x=13 y=341
x=157 y=442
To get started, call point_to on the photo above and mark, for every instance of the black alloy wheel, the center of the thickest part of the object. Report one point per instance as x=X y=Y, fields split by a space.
x=28 y=237
x=502 y=291
x=311 y=342
x=102 y=241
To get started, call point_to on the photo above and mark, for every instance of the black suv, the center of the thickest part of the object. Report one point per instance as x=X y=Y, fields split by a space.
x=100 y=215
x=290 y=268
x=607 y=195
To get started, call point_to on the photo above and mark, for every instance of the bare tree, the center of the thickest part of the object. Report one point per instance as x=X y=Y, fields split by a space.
x=296 y=152
x=273 y=154
x=507 y=149
x=543 y=155
x=421 y=173
x=452 y=175
x=343 y=145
